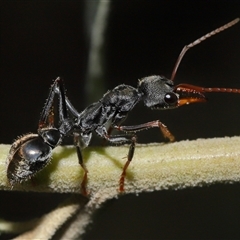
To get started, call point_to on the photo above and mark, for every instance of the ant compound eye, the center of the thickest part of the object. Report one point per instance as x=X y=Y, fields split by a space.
x=171 y=98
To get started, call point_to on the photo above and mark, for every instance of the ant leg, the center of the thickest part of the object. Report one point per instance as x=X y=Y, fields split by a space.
x=65 y=106
x=47 y=115
x=68 y=103
x=166 y=133
x=80 y=161
x=129 y=159
x=120 y=139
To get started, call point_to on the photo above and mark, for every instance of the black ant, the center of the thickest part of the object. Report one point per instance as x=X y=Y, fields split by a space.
x=32 y=152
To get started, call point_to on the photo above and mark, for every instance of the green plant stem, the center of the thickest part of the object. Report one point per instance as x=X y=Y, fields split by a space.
x=154 y=167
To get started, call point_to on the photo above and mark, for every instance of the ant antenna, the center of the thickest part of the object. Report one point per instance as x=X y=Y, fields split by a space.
x=199 y=40
x=227 y=90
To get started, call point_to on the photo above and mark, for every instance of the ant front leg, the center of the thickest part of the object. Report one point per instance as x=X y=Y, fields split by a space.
x=166 y=133
x=120 y=139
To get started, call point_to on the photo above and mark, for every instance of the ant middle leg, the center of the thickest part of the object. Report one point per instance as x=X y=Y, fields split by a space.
x=129 y=159
x=77 y=144
x=121 y=139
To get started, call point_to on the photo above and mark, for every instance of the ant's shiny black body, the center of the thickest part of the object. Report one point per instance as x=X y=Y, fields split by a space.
x=32 y=152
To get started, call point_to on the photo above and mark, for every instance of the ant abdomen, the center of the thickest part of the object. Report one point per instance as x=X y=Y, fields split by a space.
x=28 y=155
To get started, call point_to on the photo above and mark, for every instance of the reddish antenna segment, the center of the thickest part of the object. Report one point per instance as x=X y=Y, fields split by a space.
x=199 y=40
x=186 y=87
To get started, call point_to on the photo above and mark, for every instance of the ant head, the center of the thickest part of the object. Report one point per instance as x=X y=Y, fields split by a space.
x=160 y=93
x=157 y=92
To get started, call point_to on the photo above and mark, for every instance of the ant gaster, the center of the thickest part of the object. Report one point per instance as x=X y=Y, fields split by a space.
x=32 y=152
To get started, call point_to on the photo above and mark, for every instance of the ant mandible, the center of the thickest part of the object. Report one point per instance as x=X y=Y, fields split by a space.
x=30 y=153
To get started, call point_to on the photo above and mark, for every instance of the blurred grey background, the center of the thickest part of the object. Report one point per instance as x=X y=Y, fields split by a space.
x=41 y=40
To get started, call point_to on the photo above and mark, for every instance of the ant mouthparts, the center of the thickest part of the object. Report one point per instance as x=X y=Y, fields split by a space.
x=190 y=88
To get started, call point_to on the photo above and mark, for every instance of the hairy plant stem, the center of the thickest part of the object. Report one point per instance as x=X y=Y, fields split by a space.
x=154 y=167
